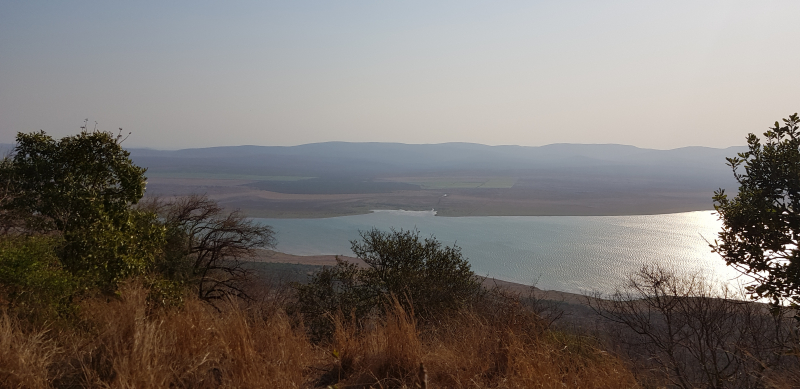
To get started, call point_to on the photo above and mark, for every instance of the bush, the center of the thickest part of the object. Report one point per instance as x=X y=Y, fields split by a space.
x=432 y=277
x=105 y=252
x=419 y=273
x=695 y=333
x=32 y=279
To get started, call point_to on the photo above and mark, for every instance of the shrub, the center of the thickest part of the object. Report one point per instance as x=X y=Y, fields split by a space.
x=432 y=277
x=32 y=279
x=106 y=252
x=695 y=333
x=422 y=273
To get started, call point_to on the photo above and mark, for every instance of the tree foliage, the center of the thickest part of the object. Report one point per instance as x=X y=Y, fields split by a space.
x=81 y=188
x=74 y=181
x=432 y=279
x=761 y=225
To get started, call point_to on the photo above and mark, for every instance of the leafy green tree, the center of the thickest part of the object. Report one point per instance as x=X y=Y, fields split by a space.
x=434 y=278
x=73 y=181
x=82 y=187
x=761 y=225
x=421 y=272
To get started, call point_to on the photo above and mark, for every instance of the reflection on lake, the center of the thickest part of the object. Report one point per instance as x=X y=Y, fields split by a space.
x=566 y=253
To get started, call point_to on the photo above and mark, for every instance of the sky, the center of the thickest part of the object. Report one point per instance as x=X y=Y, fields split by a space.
x=181 y=74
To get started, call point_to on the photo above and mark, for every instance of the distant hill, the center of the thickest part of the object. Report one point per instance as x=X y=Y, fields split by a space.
x=456 y=179
x=372 y=159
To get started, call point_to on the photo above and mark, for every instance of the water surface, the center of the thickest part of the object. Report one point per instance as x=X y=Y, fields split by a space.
x=566 y=253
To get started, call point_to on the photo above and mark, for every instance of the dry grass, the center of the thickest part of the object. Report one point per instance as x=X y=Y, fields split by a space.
x=500 y=345
x=196 y=347
x=24 y=357
x=492 y=353
x=120 y=344
x=385 y=354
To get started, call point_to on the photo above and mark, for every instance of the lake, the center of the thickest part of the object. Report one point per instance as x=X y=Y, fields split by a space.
x=566 y=253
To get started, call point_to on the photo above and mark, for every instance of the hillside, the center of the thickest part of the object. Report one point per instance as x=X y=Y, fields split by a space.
x=456 y=179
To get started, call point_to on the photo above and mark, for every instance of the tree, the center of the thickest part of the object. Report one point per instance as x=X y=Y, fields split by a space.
x=82 y=187
x=761 y=225
x=432 y=277
x=205 y=246
x=695 y=333
x=418 y=272
x=73 y=181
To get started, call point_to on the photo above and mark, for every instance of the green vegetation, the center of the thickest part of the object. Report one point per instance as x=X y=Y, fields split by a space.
x=81 y=188
x=433 y=278
x=33 y=280
x=71 y=226
x=761 y=225
x=422 y=274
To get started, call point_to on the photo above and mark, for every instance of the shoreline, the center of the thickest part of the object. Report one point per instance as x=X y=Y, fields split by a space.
x=456 y=215
x=255 y=214
x=554 y=199
x=277 y=257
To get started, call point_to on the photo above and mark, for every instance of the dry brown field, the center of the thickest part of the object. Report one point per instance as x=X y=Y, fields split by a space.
x=548 y=200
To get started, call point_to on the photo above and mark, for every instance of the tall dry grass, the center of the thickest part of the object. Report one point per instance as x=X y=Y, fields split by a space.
x=24 y=357
x=122 y=343
x=119 y=344
x=499 y=345
x=386 y=353
x=194 y=347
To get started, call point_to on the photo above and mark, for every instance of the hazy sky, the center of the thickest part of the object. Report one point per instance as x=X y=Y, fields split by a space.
x=658 y=74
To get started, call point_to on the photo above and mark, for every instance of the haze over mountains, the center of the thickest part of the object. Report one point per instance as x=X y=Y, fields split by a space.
x=455 y=179
x=339 y=178
x=390 y=158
